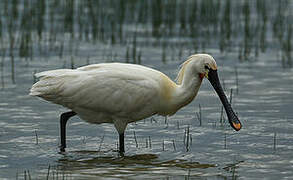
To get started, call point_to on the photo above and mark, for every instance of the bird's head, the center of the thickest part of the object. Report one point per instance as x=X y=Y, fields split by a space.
x=203 y=64
x=206 y=67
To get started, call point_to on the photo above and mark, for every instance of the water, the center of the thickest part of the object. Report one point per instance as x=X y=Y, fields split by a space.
x=251 y=41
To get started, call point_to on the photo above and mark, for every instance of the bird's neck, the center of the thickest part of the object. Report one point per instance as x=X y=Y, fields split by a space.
x=185 y=90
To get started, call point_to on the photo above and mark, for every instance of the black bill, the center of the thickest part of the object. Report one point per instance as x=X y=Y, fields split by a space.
x=233 y=119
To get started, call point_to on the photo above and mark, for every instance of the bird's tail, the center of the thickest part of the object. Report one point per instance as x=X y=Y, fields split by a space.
x=49 y=82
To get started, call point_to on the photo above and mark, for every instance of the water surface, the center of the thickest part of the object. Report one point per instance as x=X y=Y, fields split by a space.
x=251 y=41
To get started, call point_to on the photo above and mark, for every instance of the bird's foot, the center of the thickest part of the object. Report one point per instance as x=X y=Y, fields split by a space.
x=121 y=154
x=62 y=149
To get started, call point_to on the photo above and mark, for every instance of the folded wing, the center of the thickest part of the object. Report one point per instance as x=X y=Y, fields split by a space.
x=111 y=90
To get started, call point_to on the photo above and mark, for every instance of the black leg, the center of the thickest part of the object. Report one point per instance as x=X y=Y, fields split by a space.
x=121 y=144
x=63 y=120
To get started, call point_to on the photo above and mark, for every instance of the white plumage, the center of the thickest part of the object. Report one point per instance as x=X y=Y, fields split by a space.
x=122 y=93
x=102 y=93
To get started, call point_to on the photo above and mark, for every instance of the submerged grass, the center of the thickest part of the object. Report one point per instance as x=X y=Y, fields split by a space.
x=34 y=29
x=3 y=52
x=275 y=141
x=37 y=137
x=135 y=139
x=101 y=142
x=187 y=139
x=199 y=115
x=27 y=175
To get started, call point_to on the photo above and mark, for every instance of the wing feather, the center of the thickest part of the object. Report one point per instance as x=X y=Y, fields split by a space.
x=125 y=91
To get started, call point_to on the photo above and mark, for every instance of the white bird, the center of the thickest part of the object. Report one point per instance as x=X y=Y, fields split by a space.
x=121 y=93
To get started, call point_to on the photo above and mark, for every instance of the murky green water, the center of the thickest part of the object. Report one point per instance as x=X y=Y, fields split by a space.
x=251 y=41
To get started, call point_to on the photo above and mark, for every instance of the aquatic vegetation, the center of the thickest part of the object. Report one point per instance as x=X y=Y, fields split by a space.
x=37 y=28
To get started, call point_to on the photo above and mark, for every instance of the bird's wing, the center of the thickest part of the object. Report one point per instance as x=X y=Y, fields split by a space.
x=113 y=90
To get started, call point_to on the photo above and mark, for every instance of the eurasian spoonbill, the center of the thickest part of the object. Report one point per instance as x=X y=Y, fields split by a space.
x=121 y=93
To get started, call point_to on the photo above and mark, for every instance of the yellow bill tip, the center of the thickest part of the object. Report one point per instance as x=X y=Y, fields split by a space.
x=237 y=126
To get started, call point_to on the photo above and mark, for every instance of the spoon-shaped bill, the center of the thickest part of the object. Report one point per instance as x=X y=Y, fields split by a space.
x=233 y=119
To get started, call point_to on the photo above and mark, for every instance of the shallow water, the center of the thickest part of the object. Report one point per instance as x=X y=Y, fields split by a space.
x=262 y=93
